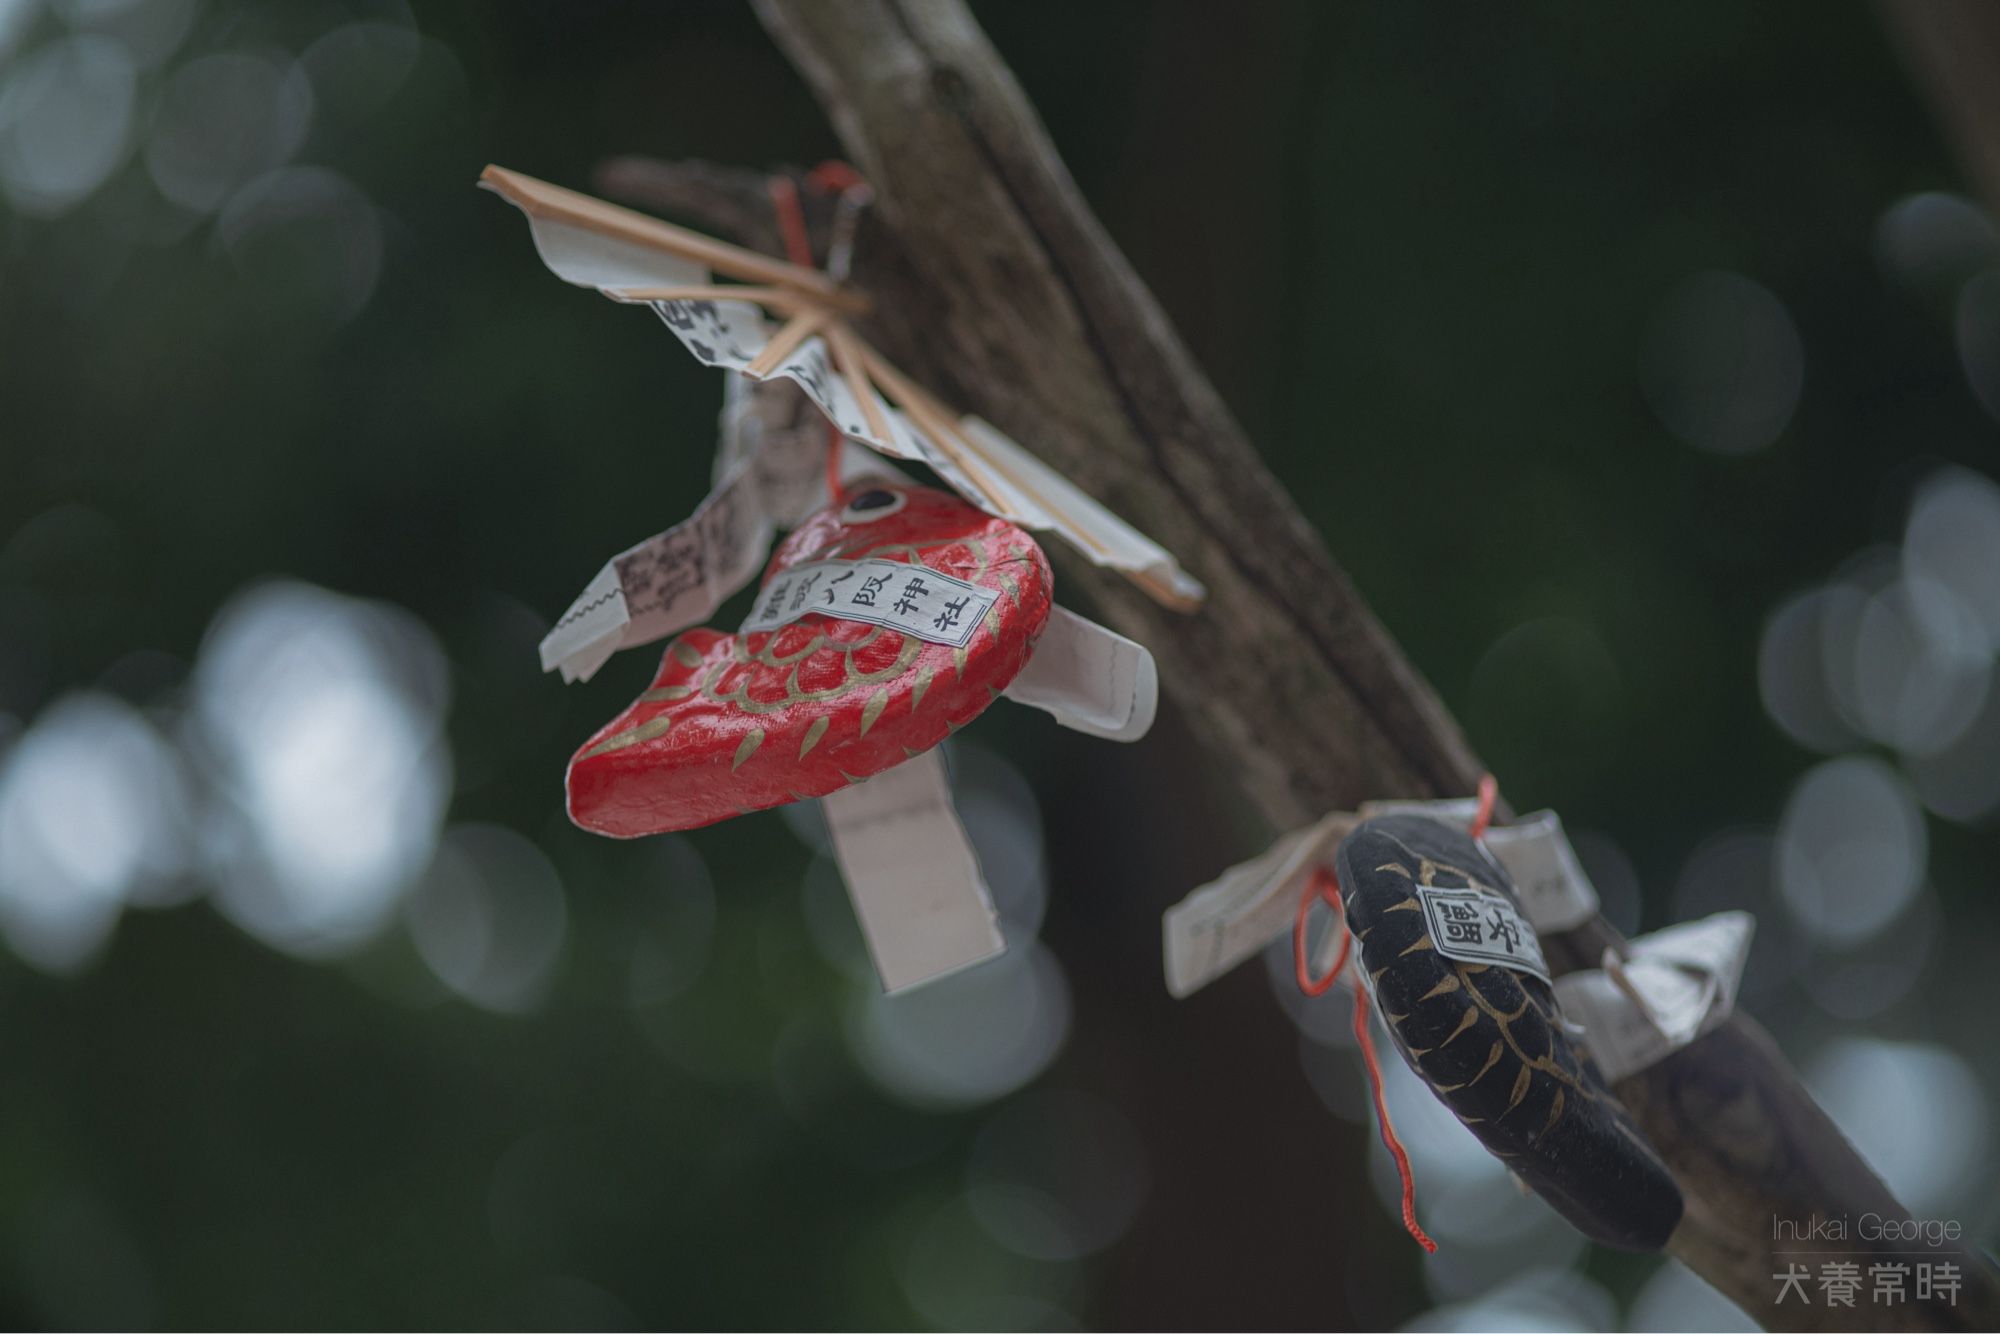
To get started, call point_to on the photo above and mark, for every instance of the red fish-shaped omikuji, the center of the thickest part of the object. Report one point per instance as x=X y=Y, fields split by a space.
x=742 y=722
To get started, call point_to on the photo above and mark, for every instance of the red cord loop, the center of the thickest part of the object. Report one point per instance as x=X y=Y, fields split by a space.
x=1389 y=1140
x=835 y=177
x=791 y=221
x=798 y=249
x=1323 y=886
x=1489 y=793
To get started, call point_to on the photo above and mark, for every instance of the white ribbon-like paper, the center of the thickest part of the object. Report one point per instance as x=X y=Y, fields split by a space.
x=1670 y=987
x=678 y=578
x=912 y=875
x=1090 y=679
x=1013 y=484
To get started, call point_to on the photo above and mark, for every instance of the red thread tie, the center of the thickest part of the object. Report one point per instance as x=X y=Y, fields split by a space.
x=1389 y=1140
x=1323 y=885
x=1489 y=793
x=798 y=249
x=835 y=177
x=791 y=221
x=1320 y=885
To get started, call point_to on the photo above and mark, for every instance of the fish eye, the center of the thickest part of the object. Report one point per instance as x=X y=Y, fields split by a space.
x=874 y=503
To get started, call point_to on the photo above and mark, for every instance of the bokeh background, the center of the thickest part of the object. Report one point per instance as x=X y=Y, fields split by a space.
x=1642 y=366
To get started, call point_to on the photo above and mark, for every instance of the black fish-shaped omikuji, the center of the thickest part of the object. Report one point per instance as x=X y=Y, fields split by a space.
x=1489 y=1040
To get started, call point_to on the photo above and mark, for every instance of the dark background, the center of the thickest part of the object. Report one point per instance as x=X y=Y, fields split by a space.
x=1592 y=341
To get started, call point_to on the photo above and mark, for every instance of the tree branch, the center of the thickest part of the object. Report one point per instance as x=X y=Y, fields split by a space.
x=1008 y=295
x=1953 y=49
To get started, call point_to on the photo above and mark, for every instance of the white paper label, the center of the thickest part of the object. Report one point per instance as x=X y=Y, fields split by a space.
x=913 y=599
x=1231 y=918
x=1090 y=679
x=1479 y=926
x=1011 y=483
x=773 y=427
x=1555 y=893
x=1456 y=811
x=912 y=875
x=593 y=259
x=1670 y=988
x=677 y=578
x=731 y=334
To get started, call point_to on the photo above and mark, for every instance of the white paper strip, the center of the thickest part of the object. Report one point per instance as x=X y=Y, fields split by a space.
x=1555 y=893
x=677 y=578
x=773 y=422
x=1036 y=496
x=770 y=471
x=591 y=259
x=1090 y=679
x=731 y=334
x=592 y=629
x=913 y=599
x=1671 y=987
x=911 y=872
x=1457 y=811
x=1013 y=484
x=1234 y=916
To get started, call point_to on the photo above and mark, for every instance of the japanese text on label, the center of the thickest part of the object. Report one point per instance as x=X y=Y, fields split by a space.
x=1474 y=926
x=913 y=599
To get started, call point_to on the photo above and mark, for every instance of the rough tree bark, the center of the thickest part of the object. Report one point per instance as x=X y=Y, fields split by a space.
x=1009 y=298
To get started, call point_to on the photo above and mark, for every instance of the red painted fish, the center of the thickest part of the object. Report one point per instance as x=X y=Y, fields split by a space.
x=742 y=722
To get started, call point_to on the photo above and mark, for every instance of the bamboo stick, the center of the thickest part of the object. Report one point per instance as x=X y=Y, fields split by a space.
x=540 y=199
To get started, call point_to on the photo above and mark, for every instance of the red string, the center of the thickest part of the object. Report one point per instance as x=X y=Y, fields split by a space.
x=798 y=249
x=835 y=177
x=1324 y=886
x=791 y=221
x=834 y=450
x=1389 y=1140
x=1489 y=792
x=1321 y=885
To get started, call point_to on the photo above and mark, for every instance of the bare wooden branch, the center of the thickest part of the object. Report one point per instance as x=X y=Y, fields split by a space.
x=1009 y=298
x=1953 y=49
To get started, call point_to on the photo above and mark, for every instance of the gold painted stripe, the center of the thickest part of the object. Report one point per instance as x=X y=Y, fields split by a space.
x=1555 y=1115
x=631 y=736
x=1471 y=1018
x=1521 y=1083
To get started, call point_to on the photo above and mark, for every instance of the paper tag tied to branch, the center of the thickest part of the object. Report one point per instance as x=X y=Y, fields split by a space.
x=1670 y=987
x=913 y=599
x=1476 y=926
